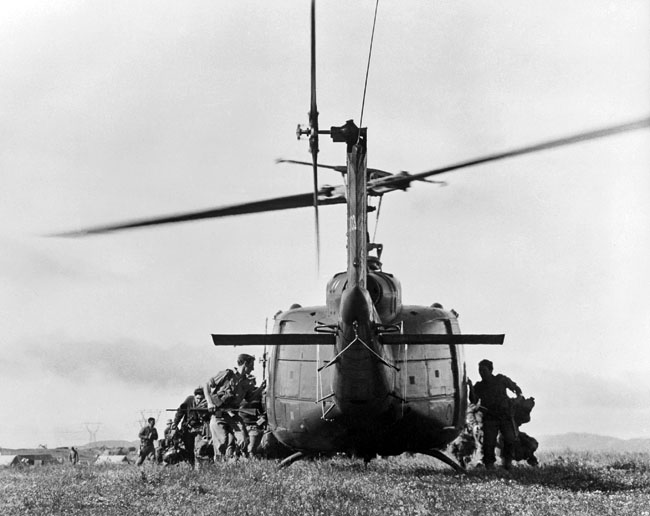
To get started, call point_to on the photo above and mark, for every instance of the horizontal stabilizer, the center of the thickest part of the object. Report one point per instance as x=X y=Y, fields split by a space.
x=275 y=339
x=436 y=338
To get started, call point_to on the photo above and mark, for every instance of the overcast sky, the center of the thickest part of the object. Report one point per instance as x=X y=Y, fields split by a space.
x=118 y=110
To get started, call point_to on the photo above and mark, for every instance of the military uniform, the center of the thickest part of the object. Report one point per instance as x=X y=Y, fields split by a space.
x=253 y=421
x=148 y=436
x=497 y=416
x=168 y=434
x=470 y=439
x=192 y=424
x=73 y=456
x=165 y=442
x=226 y=392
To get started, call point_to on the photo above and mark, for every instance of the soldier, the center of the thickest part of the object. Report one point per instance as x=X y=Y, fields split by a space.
x=491 y=393
x=165 y=442
x=168 y=433
x=224 y=394
x=73 y=457
x=253 y=421
x=190 y=417
x=470 y=439
x=148 y=436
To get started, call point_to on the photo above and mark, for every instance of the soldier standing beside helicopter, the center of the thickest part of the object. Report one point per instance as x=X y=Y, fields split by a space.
x=253 y=420
x=496 y=405
x=224 y=394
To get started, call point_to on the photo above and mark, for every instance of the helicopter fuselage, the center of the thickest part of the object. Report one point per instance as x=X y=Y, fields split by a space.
x=360 y=396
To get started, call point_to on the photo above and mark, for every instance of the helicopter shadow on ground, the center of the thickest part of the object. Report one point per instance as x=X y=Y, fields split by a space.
x=612 y=478
x=611 y=475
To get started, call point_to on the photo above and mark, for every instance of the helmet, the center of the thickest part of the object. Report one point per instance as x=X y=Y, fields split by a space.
x=244 y=359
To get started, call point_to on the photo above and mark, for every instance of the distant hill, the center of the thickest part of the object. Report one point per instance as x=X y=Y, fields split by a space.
x=572 y=441
x=109 y=444
x=63 y=450
x=591 y=442
x=54 y=452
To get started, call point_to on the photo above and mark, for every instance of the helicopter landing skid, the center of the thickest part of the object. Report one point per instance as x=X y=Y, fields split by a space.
x=290 y=460
x=437 y=454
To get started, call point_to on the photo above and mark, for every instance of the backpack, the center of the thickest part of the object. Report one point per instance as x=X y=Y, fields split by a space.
x=521 y=408
x=221 y=387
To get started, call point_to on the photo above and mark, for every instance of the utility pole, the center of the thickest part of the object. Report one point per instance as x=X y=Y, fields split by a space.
x=147 y=413
x=92 y=429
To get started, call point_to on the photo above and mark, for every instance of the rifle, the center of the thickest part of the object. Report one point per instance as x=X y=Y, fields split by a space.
x=247 y=411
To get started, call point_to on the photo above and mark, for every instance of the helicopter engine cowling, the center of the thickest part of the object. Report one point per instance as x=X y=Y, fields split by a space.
x=356 y=305
x=384 y=289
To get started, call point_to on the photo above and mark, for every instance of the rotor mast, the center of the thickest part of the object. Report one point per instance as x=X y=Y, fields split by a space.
x=357 y=225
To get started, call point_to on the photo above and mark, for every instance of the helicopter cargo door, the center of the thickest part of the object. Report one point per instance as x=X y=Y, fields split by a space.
x=296 y=381
x=440 y=376
x=427 y=378
x=442 y=387
x=427 y=372
x=288 y=378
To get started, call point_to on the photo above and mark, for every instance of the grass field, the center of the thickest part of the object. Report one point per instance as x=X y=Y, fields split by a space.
x=567 y=484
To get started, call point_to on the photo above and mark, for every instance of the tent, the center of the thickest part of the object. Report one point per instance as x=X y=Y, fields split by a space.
x=7 y=461
x=27 y=459
x=112 y=459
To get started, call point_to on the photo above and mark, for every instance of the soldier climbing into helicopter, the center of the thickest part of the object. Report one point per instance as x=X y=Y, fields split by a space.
x=224 y=394
x=470 y=439
x=251 y=429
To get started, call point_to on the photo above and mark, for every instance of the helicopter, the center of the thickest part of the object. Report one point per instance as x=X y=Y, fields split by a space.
x=386 y=377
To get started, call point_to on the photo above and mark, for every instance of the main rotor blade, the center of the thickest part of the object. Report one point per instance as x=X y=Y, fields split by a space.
x=550 y=144
x=279 y=203
x=382 y=182
x=313 y=123
x=372 y=172
x=339 y=168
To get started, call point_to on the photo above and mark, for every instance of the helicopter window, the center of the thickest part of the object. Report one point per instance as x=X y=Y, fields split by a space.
x=374 y=289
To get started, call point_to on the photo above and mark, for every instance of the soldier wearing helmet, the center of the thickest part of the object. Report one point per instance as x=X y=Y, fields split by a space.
x=224 y=394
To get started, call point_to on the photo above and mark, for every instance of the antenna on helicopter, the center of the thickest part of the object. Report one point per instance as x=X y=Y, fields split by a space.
x=264 y=355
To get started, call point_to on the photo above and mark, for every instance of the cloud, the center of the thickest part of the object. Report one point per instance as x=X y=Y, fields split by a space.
x=35 y=260
x=127 y=361
x=575 y=400
x=575 y=388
